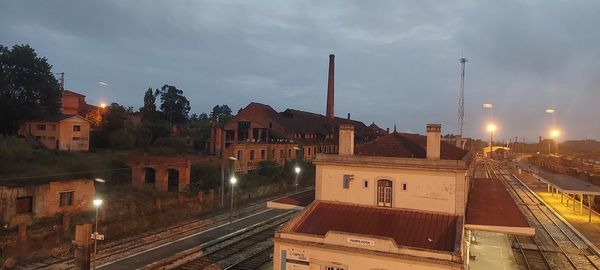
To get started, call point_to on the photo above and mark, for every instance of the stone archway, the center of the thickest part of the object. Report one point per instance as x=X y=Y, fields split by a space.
x=173 y=180
x=149 y=177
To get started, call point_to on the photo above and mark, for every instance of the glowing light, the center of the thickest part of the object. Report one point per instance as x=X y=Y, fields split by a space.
x=491 y=127
x=297 y=169
x=102 y=105
x=233 y=180
x=555 y=133
x=550 y=110
x=488 y=105
x=97 y=202
x=103 y=83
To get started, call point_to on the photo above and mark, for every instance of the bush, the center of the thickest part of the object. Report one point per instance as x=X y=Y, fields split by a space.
x=122 y=139
x=176 y=144
x=14 y=150
x=143 y=136
x=270 y=169
x=204 y=177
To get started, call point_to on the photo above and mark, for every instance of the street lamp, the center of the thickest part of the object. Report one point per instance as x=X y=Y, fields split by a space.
x=297 y=170
x=97 y=203
x=491 y=127
x=222 y=201
x=554 y=134
x=232 y=181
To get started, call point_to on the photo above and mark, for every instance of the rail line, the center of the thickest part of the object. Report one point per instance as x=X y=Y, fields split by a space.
x=246 y=251
x=555 y=245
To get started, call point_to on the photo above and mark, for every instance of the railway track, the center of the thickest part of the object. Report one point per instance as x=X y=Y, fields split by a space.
x=246 y=251
x=555 y=245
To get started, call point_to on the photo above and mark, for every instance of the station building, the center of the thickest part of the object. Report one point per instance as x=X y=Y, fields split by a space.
x=401 y=201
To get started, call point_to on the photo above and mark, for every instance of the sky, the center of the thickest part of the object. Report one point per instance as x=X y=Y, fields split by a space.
x=397 y=62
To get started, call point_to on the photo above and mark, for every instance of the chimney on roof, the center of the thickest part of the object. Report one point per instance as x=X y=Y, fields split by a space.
x=434 y=138
x=330 y=113
x=346 y=140
x=348 y=116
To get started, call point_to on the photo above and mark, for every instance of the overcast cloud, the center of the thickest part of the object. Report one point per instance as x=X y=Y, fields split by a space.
x=396 y=61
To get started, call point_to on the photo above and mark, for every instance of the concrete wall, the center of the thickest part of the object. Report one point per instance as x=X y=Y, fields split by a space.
x=427 y=190
x=46 y=199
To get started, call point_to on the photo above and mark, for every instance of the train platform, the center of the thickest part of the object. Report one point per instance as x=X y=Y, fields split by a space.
x=577 y=214
x=491 y=251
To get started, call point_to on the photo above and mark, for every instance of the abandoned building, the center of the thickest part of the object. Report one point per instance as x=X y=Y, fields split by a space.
x=160 y=173
x=402 y=201
x=64 y=132
x=23 y=201
x=258 y=133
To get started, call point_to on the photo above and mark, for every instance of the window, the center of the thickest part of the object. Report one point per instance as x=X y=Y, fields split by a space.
x=403 y=186
x=309 y=151
x=251 y=154
x=76 y=138
x=24 y=205
x=239 y=155
x=41 y=127
x=77 y=128
x=346 y=180
x=384 y=193
x=262 y=154
x=66 y=199
x=315 y=150
x=365 y=183
x=273 y=154
x=290 y=153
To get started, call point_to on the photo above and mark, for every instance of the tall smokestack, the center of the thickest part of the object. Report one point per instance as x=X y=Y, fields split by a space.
x=330 y=113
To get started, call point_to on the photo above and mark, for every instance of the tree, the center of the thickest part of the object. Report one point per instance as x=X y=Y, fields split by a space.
x=149 y=109
x=27 y=87
x=220 y=114
x=174 y=105
x=113 y=118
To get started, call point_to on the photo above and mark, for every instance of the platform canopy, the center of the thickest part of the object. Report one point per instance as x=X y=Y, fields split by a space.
x=491 y=208
x=566 y=183
x=295 y=201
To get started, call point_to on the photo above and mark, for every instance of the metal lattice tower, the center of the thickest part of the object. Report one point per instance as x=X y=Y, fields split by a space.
x=461 y=100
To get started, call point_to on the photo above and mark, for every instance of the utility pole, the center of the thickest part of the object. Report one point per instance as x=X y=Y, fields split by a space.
x=461 y=100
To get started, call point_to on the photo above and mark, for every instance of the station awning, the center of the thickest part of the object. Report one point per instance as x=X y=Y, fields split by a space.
x=491 y=208
x=295 y=201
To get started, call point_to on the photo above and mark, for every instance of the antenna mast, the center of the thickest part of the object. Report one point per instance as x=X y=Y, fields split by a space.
x=461 y=100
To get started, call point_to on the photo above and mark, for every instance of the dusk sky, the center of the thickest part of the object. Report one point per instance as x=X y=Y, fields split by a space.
x=396 y=61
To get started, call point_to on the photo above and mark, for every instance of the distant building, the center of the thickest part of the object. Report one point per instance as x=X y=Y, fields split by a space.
x=401 y=201
x=26 y=200
x=259 y=133
x=58 y=132
x=74 y=103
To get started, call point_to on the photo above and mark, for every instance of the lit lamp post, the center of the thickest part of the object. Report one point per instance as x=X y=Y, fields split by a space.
x=297 y=170
x=102 y=106
x=97 y=203
x=491 y=128
x=554 y=134
x=232 y=181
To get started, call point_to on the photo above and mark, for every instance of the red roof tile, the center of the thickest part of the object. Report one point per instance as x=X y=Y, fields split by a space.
x=410 y=228
x=302 y=199
x=407 y=146
x=490 y=204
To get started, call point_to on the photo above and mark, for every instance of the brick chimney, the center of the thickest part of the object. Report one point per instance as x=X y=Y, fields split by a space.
x=346 y=140
x=434 y=137
x=348 y=116
x=330 y=113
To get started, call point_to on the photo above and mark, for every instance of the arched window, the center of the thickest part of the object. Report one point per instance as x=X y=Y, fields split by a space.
x=384 y=193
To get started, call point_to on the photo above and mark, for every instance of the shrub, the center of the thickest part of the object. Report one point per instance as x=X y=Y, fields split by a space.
x=14 y=150
x=122 y=139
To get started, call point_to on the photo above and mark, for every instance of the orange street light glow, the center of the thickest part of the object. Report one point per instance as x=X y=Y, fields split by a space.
x=491 y=127
x=102 y=105
x=555 y=133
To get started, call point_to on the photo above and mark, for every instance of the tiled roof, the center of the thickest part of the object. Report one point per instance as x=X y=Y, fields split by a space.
x=490 y=204
x=407 y=146
x=434 y=231
x=292 y=121
x=53 y=117
x=69 y=92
